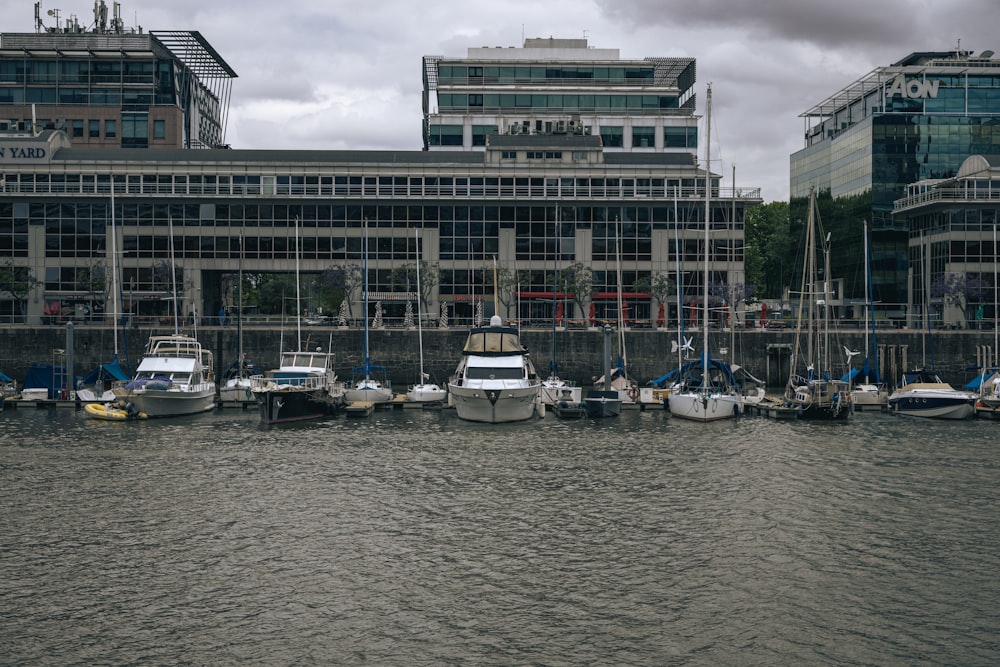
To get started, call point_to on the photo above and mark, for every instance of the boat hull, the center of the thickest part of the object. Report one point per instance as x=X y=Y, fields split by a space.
x=170 y=402
x=426 y=393
x=291 y=404
x=494 y=405
x=602 y=404
x=704 y=407
x=372 y=394
x=935 y=406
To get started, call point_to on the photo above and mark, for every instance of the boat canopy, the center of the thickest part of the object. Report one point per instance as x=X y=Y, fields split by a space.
x=493 y=340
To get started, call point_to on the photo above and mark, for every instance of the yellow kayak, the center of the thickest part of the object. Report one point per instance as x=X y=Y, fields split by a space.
x=111 y=413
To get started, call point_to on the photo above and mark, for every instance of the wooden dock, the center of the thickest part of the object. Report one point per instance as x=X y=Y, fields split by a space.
x=360 y=409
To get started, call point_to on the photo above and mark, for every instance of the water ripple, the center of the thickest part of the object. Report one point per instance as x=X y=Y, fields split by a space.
x=413 y=538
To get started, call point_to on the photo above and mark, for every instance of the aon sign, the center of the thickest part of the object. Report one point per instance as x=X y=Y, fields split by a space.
x=914 y=88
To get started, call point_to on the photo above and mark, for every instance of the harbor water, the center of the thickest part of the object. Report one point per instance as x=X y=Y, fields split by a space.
x=414 y=538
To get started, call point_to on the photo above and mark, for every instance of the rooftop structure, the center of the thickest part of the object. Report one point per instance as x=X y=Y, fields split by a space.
x=560 y=86
x=111 y=86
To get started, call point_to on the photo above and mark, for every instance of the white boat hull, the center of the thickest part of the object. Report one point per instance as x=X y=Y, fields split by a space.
x=368 y=393
x=426 y=393
x=170 y=402
x=703 y=407
x=494 y=404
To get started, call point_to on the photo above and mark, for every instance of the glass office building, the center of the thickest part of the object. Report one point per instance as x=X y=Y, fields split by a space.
x=953 y=247
x=112 y=86
x=560 y=85
x=532 y=204
x=916 y=119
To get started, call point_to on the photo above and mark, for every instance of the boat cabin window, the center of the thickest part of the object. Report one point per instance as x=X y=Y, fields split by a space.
x=487 y=373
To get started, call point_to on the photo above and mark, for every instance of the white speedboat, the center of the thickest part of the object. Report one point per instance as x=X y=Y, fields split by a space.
x=495 y=380
x=174 y=378
x=921 y=393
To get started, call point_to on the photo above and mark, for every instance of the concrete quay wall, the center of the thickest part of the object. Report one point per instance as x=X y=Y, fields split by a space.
x=764 y=353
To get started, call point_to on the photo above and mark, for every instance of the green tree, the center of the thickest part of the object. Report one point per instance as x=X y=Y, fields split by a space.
x=770 y=244
x=577 y=279
x=508 y=283
x=96 y=281
x=405 y=276
x=16 y=281
x=345 y=279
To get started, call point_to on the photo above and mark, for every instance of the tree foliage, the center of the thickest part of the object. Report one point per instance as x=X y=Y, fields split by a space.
x=16 y=280
x=343 y=278
x=404 y=277
x=769 y=248
x=576 y=279
x=960 y=288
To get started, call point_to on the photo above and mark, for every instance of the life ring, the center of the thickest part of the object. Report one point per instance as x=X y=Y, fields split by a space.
x=633 y=394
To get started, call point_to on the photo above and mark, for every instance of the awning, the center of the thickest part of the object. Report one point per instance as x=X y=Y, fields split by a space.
x=545 y=295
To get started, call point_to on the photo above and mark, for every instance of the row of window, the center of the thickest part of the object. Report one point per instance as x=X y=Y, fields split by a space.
x=98 y=70
x=466 y=74
x=367 y=186
x=613 y=136
x=508 y=102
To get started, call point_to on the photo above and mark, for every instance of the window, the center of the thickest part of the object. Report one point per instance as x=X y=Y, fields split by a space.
x=159 y=129
x=94 y=129
x=135 y=130
x=77 y=128
x=110 y=129
x=643 y=137
x=613 y=136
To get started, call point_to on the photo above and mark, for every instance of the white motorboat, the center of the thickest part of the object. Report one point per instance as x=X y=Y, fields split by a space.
x=495 y=381
x=921 y=393
x=174 y=378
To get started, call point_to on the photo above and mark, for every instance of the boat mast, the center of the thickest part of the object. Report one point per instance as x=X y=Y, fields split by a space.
x=114 y=266
x=704 y=281
x=420 y=333
x=298 y=294
x=680 y=299
x=621 y=317
x=173 y=273
x=365 y=276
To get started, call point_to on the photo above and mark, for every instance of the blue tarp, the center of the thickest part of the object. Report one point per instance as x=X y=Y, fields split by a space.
x=109 y=371
x=46 y=376
x=866 y=371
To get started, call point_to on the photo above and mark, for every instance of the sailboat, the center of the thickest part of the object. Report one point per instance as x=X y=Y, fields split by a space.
x=369 y=382
x=236 y=380
x=423 y=391
x=304 y=386
x=706 y=389
x=175 y=375
x=870 y=392
x=98 y=385
x=811 y=391
x=555 y=391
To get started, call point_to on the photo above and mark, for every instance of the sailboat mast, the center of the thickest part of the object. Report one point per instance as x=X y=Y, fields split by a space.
x=365 y=277
x=420 y=333
x=298 y=297
x=173 y=273
x=680 y=300
x=621 y=315
x=708 y=192
x=239 y=312
x=114 y=266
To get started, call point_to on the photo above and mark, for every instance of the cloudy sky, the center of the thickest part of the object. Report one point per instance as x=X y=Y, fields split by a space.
x=346 y=74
